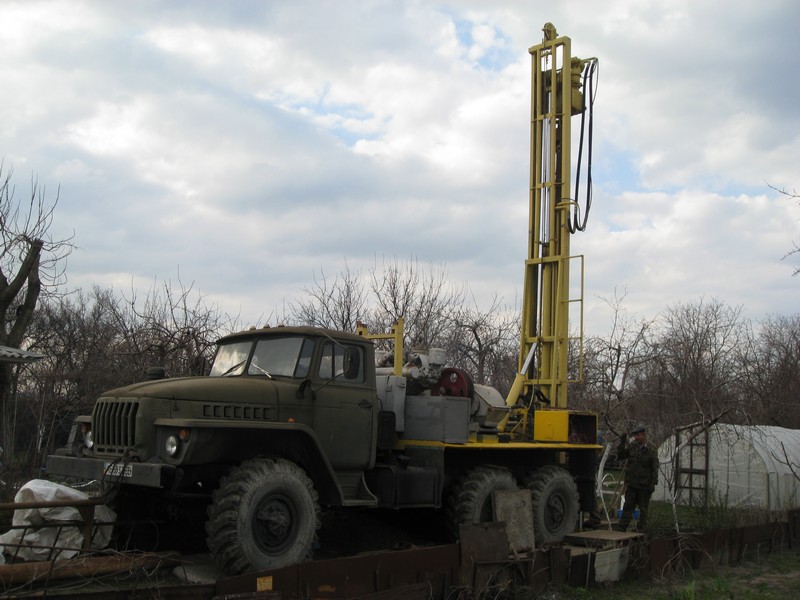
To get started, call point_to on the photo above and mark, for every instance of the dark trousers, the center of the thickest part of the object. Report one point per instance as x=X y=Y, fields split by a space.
x=634 y=497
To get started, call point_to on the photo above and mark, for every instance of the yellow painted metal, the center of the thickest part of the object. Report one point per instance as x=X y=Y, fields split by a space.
x=551 y=426
x=396 y=334
x=544 y=349
x=405 y=444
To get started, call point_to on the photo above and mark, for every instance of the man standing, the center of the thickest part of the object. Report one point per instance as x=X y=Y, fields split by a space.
x=640 y=476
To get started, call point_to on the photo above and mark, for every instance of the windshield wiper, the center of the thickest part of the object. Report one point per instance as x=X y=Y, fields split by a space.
x=233 y=368
x=264 y=371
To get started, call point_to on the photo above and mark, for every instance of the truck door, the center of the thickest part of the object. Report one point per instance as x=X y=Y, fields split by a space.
x=345 y=408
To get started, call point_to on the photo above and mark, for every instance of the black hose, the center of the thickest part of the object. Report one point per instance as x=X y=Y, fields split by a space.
x=576 y=224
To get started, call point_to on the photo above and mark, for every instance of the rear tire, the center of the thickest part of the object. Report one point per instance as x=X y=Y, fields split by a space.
x=264 y=515
x=554 y=497
x=471 y=500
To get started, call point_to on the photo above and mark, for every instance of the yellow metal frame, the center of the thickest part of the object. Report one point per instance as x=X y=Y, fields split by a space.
x=395 y=334
x=493 y=445
x=545 y=338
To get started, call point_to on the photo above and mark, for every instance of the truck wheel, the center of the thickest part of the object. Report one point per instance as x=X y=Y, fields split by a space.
x=471 y=499
x=554 y=497
x=264 y=515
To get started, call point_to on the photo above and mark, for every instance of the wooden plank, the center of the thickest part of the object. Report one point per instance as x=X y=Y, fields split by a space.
x=83 y=567
x=601 y=538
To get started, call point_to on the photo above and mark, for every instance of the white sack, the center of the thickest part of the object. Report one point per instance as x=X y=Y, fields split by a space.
x=69 y=539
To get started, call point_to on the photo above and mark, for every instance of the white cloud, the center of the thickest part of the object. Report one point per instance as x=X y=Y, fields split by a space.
x=671 y=248
x=252 y=144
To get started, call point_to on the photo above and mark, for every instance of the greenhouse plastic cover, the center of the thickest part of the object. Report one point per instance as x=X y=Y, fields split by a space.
x=756 y=466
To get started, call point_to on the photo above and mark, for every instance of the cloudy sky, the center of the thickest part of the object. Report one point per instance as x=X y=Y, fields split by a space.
x=245 y=146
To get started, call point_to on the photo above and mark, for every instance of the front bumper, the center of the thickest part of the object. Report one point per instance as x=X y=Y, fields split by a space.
x=154 y=475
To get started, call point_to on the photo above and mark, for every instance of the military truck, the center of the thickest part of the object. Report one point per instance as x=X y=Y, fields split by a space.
x=291 y=419
x=294 y=418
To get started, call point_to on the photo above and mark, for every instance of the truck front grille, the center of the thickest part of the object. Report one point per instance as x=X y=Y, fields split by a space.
x=114 y=425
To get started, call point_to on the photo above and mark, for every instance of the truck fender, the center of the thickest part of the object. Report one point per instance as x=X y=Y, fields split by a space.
x=237 y=441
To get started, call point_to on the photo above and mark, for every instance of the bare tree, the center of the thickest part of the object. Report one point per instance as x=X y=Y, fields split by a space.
x=696 y=375
x=335 y=304
x=771 y=371
x=172 y=327
x=102 y=340
x=796 y=249
x=486 y=343
x=31 y=264
x=612 y=363
x=74 y=332
x=421 y=295
x=393 y=289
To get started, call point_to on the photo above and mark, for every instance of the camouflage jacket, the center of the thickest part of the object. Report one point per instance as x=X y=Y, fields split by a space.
x=641 y=469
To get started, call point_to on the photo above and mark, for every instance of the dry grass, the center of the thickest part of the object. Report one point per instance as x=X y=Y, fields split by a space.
x=772 y=576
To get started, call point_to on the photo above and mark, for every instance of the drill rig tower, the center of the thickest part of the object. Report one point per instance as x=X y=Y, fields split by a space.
x=560 y=85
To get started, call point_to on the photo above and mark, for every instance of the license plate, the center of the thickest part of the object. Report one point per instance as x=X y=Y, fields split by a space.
x=118 y=470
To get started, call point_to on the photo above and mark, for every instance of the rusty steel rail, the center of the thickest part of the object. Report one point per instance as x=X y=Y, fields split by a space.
x=85 y=507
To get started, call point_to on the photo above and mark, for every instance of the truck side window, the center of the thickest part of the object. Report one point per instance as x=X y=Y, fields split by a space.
x=341 y=363
x=304 y=361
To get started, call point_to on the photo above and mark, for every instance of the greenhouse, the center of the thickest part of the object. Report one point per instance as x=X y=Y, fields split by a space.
x=738 y=466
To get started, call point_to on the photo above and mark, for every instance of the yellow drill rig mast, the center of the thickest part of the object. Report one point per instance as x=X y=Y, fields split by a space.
x=559 y=91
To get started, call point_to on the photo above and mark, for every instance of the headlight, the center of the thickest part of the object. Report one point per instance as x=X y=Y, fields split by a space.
x=172 y=445
x=88 y=438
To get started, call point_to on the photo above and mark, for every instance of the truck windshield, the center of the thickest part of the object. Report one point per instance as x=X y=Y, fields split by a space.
x=286 y=356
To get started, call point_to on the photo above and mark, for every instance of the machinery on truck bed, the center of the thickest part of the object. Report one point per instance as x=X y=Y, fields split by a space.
x=294 y=418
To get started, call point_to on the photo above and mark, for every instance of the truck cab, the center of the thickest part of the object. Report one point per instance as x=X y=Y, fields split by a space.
x=296 y=391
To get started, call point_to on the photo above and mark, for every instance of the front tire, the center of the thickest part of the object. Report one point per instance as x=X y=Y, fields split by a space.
x=471 y=500
x=554 y=497
x=264 y=515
